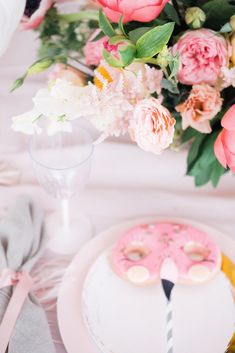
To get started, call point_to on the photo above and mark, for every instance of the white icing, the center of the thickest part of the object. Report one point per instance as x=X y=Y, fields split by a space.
x=124 y=318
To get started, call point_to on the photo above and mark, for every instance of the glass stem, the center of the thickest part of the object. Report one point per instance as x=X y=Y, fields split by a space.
x=65 y=213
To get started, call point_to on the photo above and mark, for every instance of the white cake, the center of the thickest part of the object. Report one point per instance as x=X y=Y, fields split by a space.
x=124 y=318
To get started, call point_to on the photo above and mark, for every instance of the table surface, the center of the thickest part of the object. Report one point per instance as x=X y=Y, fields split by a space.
x=125 y=181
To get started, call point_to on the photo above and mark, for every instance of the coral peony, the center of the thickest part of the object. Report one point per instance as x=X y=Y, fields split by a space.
x=33 y=17
x=225 y=143
x=152 y=126
x=202 y=105
x=202 y=55
x=132 y=10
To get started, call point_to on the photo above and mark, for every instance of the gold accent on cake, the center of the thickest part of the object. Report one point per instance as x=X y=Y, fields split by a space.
x=228 y=267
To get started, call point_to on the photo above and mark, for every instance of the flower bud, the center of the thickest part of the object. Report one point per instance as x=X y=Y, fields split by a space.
x=17 y=83
x=119 y=51
x=232 y=22
x=195 y=17
x=40 y=66
x=163 y=58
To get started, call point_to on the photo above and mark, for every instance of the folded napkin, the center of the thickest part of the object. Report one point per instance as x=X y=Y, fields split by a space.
x=21 y=243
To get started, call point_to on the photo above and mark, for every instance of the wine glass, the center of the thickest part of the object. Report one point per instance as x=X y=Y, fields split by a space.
x=62 y=165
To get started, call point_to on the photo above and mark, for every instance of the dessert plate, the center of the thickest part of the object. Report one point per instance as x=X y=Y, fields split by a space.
x=73 y=330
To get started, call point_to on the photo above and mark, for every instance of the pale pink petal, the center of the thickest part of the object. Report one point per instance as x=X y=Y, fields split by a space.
x=203 y=127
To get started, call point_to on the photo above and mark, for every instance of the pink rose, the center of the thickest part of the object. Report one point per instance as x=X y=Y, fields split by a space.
x=202 y=105
x=202 y=55
x=33 y=20
x=93 y=51
x=132 y=10
x=152 y=126
x=225 y=143
x=67 y=73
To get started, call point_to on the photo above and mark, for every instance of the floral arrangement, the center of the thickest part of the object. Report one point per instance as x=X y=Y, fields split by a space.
x=161 y=71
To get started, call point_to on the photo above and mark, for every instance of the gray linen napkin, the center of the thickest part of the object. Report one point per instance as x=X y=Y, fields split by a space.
x=21 y=243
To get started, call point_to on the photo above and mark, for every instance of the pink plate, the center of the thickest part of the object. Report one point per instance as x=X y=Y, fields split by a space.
x=69 y=312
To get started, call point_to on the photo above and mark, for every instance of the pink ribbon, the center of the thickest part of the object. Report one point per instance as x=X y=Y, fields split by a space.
x=23 y=283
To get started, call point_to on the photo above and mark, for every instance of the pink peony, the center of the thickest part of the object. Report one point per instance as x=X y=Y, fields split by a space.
x=67 y=73
x=33 y=21
x=202 y=105
x=132 y=10
x=93 y=50
x=225 y=143
x=152 y=126
x=202 y=55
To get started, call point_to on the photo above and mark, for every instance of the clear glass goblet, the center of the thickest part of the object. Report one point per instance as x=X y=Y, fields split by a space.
x=62 y=165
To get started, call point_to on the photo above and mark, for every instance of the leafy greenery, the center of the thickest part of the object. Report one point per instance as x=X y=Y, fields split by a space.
x=172 y=13
x=105 y=25
x=218 y=12
x=153 y=41
x=202 y=163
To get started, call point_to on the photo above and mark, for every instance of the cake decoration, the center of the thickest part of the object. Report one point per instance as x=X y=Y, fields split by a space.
x=140 y=252
x=168 y=252
x=163 y=276
x=169 y=276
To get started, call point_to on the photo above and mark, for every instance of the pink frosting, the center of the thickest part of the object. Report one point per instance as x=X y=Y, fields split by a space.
x=185 y=245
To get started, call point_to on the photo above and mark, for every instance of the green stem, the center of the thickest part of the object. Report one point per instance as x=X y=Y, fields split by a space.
x=148 y=61
x=83 y=15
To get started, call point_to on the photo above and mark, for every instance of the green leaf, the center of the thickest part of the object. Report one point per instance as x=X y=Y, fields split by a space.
x=216 y=173
x=82 y=15
x=135 y=34
x=170 y=86
x=194 y=151
x=203 y=164
x=174 y=66
x=218 y=12
x=172 y=13
x=121 y=26
x=189 y=134
x=152 y=42
x=202 y=178
x=105 y=25
x=226 y=28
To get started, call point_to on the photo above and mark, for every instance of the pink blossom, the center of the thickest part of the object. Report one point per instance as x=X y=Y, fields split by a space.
x=202 y=105
x=37 y=17
x=228 y=77
x=67 y=73
x=202 y=54
x=152 y=126
x=93 y=51
x=132 y=10
x=225 y=143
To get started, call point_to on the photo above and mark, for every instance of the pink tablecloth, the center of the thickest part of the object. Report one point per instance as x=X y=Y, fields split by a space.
x=125 y=182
